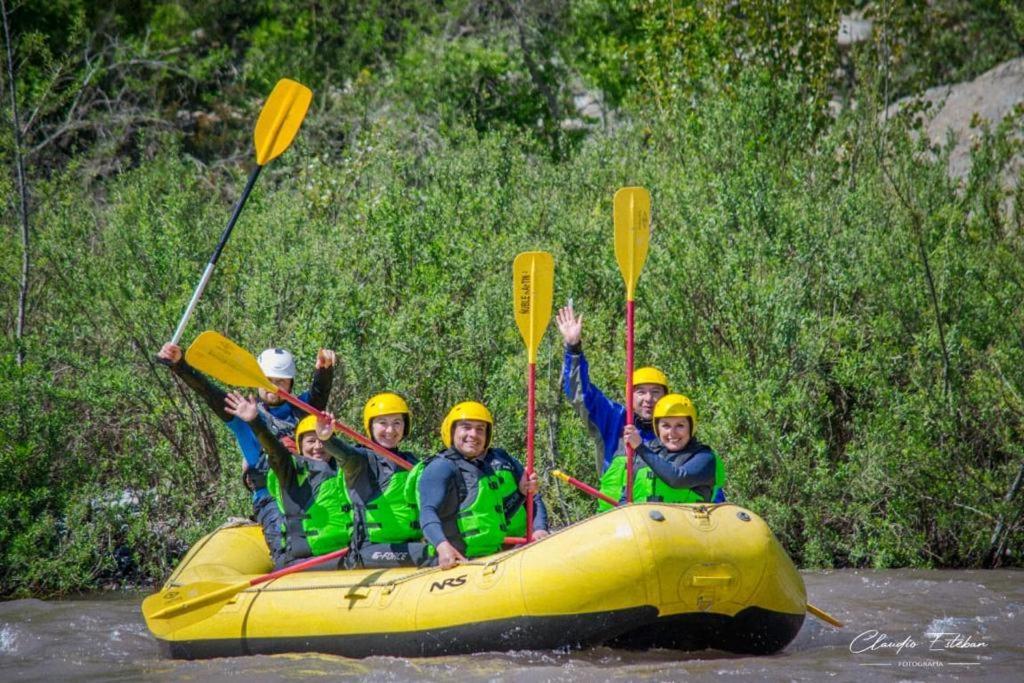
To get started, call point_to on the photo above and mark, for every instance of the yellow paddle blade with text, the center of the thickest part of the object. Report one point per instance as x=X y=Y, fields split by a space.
x=181 y=606
x=533 y=278
x=632 y=213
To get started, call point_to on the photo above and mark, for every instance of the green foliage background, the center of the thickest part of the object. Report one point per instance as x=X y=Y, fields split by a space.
x=846 y=317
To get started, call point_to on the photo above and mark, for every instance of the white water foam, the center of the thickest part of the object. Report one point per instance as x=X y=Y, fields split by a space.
x=8 y=639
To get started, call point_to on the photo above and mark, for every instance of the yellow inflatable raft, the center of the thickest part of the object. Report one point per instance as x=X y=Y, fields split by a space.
x=644 y=575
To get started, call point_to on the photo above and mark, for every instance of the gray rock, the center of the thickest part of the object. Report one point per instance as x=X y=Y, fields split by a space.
x=853 y=28
x=961 y=107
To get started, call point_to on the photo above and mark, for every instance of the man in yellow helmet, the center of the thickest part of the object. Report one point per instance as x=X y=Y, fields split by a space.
x=311 y=497
x=605 y=418
x=471 y=496
x=386 y=532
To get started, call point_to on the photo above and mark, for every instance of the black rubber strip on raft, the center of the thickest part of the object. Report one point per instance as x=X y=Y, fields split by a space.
x=753 y=631
x=517 y=633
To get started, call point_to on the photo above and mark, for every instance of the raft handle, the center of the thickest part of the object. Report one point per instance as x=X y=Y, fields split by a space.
x=711 y=580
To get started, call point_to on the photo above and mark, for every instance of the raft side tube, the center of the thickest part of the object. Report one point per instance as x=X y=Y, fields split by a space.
x=516 y=633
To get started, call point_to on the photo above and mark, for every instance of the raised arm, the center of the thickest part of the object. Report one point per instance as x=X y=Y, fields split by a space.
x=280 y=459
x=604 y=418
x=212 y=395
x=351 y=460
x=323 y=379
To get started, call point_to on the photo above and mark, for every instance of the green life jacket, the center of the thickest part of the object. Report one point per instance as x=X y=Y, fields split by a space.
x=513 y=503
x=482 y=522
x=391 y=517
x=648 y=487
x=322 y=523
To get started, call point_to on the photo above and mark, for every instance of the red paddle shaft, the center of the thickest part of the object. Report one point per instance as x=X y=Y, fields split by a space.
x=530 y=426
x=629 y=397
x=586 y=488
x=347 y=431
x=306 y=564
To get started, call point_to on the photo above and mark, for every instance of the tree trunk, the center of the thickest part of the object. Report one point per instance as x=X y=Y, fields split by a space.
x=997 y=544
x=19 y=163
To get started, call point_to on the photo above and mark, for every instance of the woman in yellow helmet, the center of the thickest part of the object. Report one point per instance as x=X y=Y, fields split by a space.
x=316 y=513
x=386 y=531
x=472 y=496
x=679 y=468
x=279 y=367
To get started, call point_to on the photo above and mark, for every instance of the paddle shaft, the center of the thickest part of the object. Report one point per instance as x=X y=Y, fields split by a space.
x=586 y=488
x=347 y=431
x=227 y=592
x=824 y=616
x=531 y=393
x=216 y=255
x=629 y=395
x=305 y=564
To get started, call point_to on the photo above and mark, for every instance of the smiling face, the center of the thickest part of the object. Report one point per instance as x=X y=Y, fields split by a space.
x=273 y=399
x=311 y=446
x=645 y=396
x=388 y=430
x=470 y=438
x=674 y=432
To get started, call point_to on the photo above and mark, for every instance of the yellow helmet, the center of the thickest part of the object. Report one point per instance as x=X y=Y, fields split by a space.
x=386 y=404
x=675 y=405
x=650 y=376
x=467 y=410
x=306 y=424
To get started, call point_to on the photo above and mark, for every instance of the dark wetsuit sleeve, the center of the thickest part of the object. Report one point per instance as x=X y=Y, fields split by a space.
x=212 y=395
x=320 y=388
x=697 y=471
x=540 y=511
x=352 y=461
x=438 y=499
x=280 y=459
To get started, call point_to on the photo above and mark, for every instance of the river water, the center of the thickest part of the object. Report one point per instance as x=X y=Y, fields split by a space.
x=891 y=619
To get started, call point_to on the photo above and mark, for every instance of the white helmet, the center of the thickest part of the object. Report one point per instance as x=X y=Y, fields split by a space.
x=277 y=363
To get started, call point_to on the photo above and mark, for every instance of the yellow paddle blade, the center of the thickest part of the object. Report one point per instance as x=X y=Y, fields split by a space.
x=181 y=606
x=280 y=119
x=533 y=279
x=632 y=213
x=218 y=356
x=824 y=616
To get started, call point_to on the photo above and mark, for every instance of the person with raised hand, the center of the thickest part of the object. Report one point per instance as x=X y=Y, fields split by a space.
x=280 y=417
x=471 y=496
x=605 y=419
x=316 y=512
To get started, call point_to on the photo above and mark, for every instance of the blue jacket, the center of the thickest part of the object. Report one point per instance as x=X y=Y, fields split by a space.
x=605 y=419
